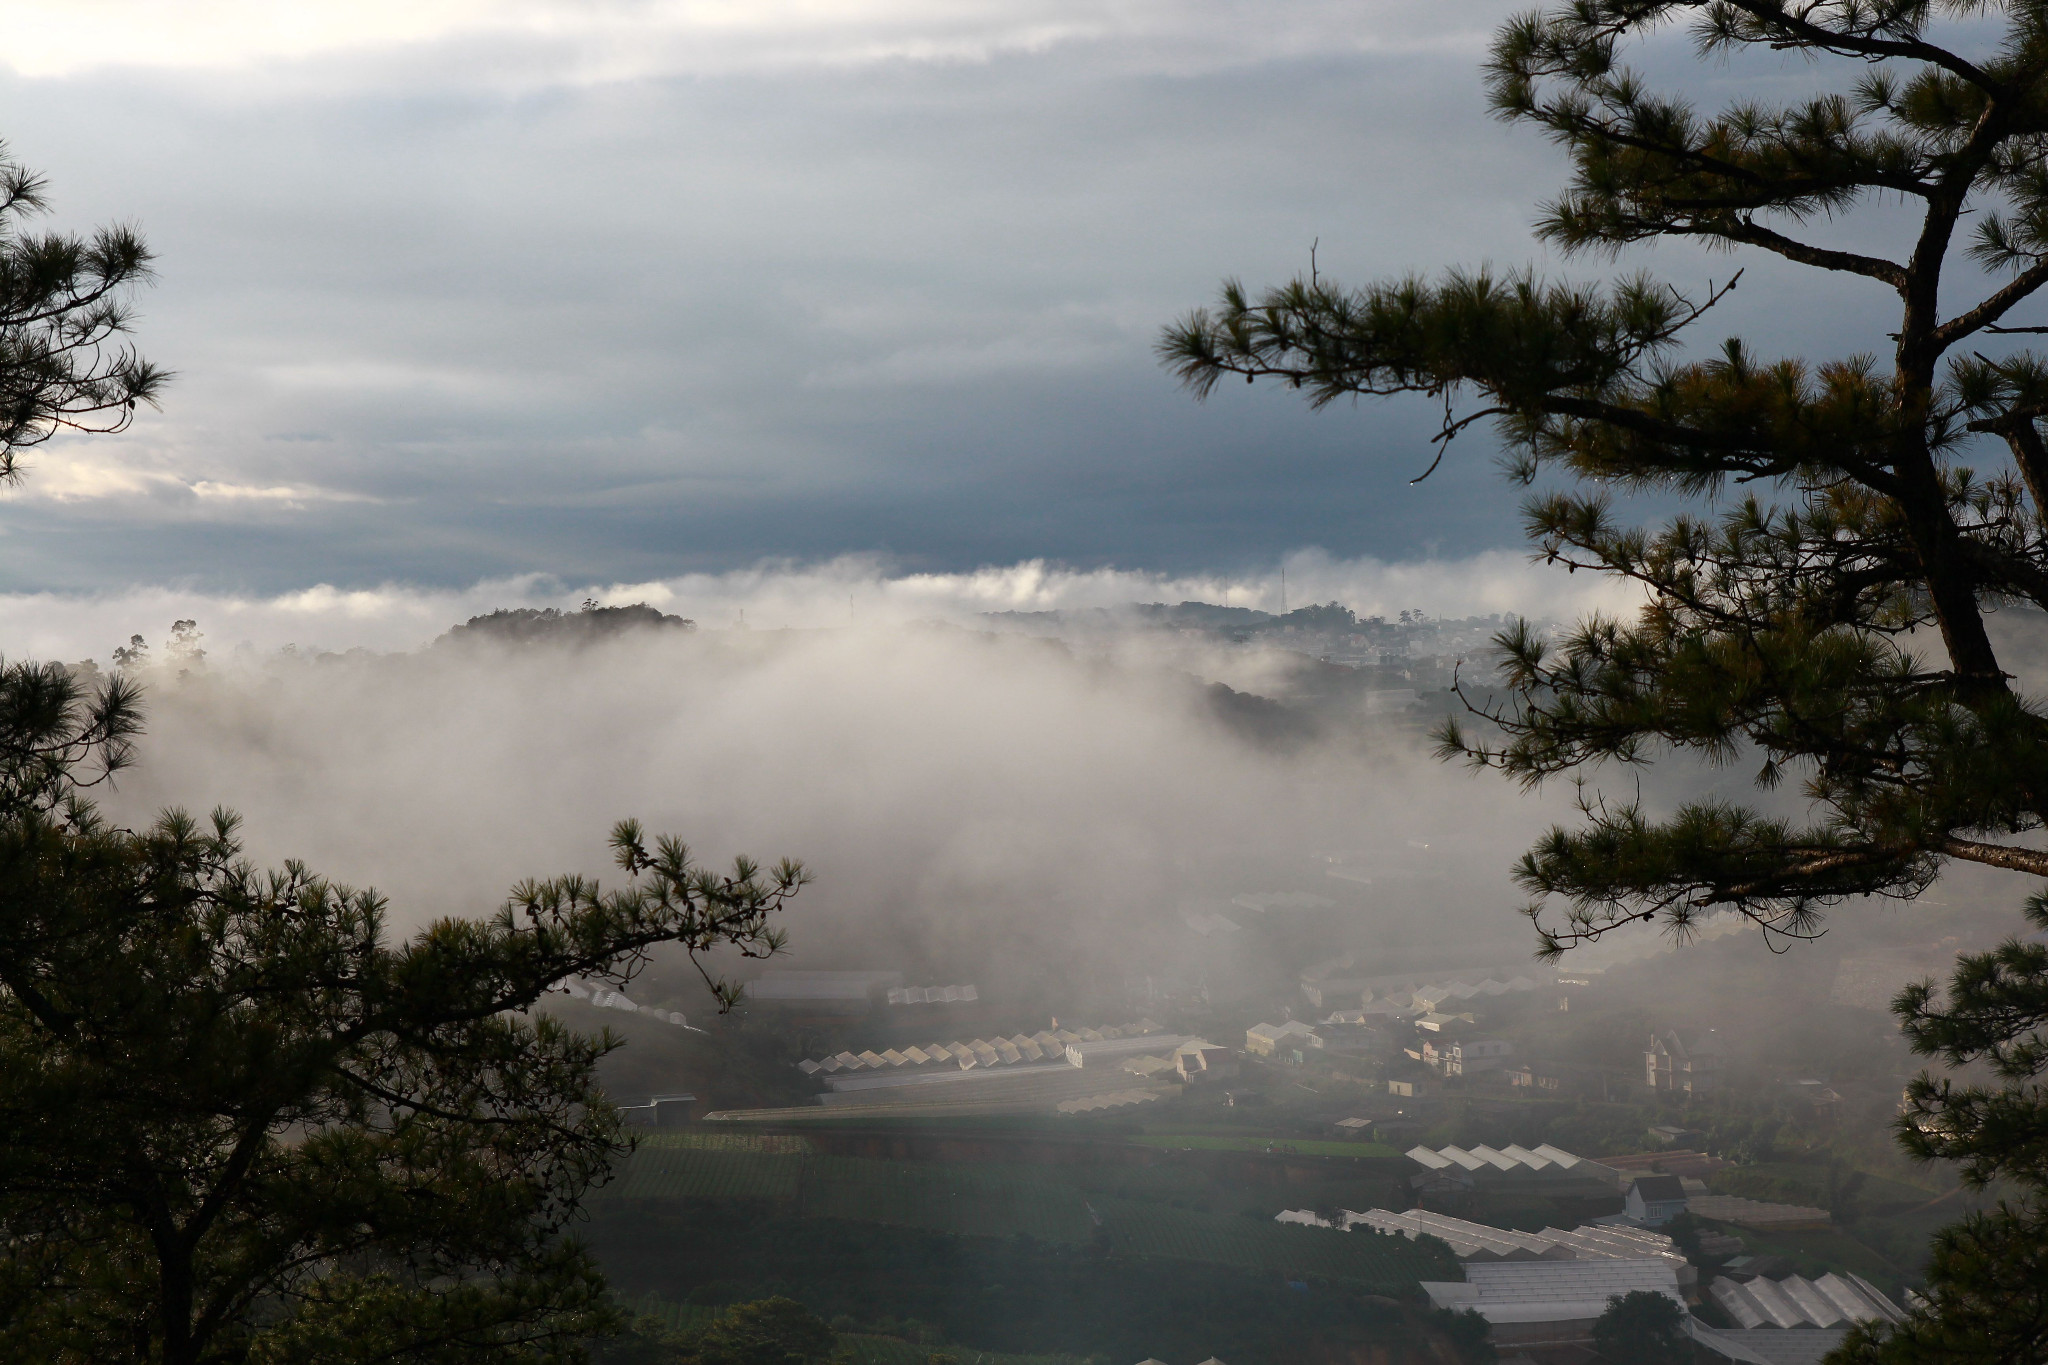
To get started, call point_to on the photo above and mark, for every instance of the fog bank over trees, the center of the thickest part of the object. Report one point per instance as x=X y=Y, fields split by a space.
x=969 y=801
x=976 y=805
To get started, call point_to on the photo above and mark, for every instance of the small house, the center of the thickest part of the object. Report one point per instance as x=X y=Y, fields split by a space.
x=1470 y=1056
x=1199 y=1060
x=1654 y=1200
x=1677 y=1066
x=1528 y=1077
x=1266 y=1040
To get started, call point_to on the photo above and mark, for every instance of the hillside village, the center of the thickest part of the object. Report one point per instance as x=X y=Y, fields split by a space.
x=1506 y=1139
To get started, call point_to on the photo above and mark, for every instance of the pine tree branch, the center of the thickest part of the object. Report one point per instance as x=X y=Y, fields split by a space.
x=1751 y=233
x=1995 y=307
x=1806 y=33
x=2012 y=859
x=1739 y=452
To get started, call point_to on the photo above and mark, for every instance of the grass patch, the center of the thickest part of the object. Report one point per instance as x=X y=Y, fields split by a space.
x=984 y=1201
x=1012 y=1295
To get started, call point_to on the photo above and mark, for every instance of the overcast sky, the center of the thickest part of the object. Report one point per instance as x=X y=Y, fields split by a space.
x=459 y=290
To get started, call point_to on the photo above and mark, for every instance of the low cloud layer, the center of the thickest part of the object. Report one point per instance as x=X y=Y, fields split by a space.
x=451 y=295
x=852 y=590
x=978 y=807
x=626 y=39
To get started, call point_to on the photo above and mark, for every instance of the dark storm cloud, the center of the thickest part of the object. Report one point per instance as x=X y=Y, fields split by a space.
x=441 y=329
x=622 y=291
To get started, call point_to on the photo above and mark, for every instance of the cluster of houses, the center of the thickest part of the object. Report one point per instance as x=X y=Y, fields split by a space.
x=1448 y=1053
x=1445 y=1034
x=1335 y=985
x=1271 y=1040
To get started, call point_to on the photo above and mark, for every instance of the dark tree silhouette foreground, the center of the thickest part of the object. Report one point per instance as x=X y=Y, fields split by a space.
x=240 y=1123
x=245 y=1124
x=1825 y=614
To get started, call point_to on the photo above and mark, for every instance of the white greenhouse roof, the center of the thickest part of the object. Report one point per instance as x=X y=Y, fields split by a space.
x=1830 y=1301
x=1552 y=1291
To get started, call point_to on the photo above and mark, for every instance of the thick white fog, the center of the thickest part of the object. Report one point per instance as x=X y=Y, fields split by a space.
x=978 y=802
x=960 y=796
x=973 y=803
x=975 y=800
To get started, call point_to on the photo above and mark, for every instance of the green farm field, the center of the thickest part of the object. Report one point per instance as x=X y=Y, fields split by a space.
x=1050 y=1204
x=855 y=1348
x=1206 y=1142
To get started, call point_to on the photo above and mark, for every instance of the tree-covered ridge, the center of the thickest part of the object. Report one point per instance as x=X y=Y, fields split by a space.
x=550 y=625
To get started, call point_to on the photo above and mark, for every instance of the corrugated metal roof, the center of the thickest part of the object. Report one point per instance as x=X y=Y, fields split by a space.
x=1819 y=1309
x=1422 y=1156
x=1460 y=1157
x=1469 y=1239
x=1552 y=1291
x=1535 y=1281
x=1830 y=1301
x=1499 y=1161
x=1546 y=1160
x=1767 y=1345
x=1775 y=1304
